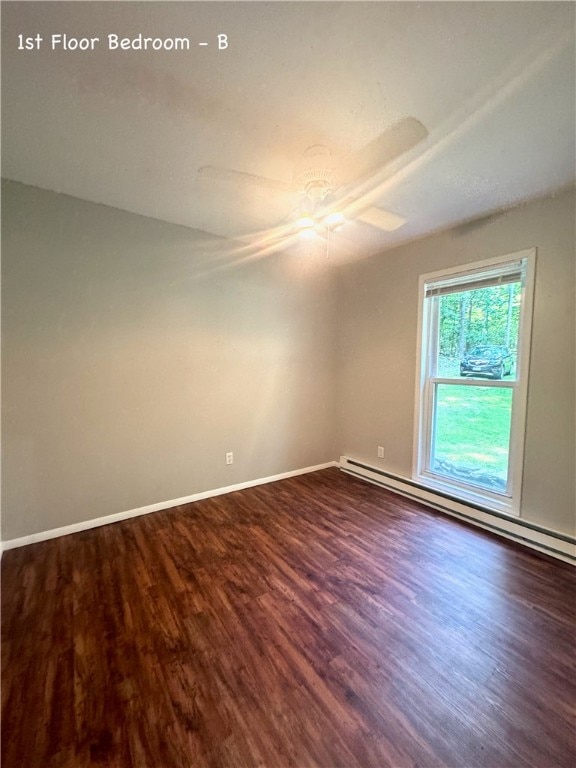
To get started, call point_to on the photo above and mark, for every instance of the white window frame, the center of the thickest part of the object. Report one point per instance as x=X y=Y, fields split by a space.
x=426 y=383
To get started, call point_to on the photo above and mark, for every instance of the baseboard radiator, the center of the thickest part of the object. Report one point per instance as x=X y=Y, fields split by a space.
x=534 y=536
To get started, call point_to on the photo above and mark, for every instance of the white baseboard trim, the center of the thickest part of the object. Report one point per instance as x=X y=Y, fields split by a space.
x=536 y=537
x=116 y=517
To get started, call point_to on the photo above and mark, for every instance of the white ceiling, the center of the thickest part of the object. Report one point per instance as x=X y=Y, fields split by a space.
x=493 y=83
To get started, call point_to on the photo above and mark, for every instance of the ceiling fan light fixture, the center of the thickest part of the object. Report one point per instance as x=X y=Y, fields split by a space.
x=334 y=220
x=321 y=180
x=305 y=223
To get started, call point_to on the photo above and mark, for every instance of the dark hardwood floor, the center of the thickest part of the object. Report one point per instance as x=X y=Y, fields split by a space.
x=317 y=621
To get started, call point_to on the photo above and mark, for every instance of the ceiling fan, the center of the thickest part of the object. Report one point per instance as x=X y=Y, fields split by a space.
x=325 y=185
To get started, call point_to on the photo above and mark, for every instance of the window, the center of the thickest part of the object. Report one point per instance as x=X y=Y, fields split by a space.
x=471 y=392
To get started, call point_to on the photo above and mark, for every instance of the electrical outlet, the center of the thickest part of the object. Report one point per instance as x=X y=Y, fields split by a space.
x=380 y=452
x=230 y=458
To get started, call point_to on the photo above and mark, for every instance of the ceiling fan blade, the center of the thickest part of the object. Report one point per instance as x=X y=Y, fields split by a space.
x=395 y=141
x=239 y=177
x=381 y=219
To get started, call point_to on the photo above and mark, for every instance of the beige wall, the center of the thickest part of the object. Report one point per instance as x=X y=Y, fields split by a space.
x=377 y=337
x=130 y=367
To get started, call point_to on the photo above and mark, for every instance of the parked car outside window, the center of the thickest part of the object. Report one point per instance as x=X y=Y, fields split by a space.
x=487 y=360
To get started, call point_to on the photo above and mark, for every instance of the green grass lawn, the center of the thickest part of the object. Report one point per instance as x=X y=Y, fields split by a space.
x=472 y=431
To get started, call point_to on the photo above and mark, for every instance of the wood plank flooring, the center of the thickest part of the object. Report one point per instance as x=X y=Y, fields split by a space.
x=316 y=621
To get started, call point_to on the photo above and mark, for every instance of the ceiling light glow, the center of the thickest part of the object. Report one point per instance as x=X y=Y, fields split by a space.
x=305 y=223
x=334 y=220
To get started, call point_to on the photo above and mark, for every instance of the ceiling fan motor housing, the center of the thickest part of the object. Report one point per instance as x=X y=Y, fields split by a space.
x=315 y=173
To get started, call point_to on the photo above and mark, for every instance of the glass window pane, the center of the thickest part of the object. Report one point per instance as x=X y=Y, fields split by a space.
x=478 y=332
x=471 y=435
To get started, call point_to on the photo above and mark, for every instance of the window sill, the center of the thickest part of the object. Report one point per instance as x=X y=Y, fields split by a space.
x=478 y=497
